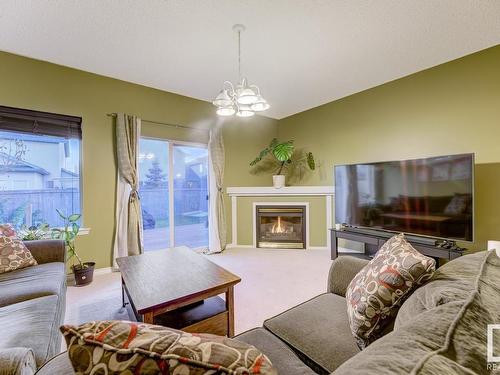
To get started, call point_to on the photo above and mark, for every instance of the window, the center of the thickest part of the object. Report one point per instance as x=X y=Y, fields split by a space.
x=39 y=167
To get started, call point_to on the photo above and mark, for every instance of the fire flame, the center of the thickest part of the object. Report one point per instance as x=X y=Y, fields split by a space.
x=278 y=228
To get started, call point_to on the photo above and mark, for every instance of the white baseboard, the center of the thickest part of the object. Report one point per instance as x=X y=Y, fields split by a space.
x=232 y=245
x=102 y=271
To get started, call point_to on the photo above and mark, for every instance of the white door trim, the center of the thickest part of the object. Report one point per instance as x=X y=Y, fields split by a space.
x=171 y=213
x=329 y=224
x=234 y=222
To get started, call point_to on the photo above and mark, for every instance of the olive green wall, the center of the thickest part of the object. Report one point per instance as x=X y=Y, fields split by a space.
x=33 y=84
x=242 y=144
x=451 y=108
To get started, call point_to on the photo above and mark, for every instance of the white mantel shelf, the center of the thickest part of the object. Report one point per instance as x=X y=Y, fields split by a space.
x=259 y=191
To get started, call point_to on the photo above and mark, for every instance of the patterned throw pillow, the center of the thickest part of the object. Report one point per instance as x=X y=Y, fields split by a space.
x=7 y=230
x=119 y=347
x=14 y=255
x=378 y=290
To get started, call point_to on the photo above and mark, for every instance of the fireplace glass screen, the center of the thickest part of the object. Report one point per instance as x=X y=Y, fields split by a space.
x=281 y=227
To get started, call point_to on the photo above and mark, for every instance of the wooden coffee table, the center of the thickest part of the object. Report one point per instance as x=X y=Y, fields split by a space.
x=179 y=288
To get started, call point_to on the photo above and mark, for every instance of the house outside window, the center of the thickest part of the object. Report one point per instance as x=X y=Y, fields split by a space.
x=39 y=167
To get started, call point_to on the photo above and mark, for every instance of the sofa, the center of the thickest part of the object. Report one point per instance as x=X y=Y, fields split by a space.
x=410 y=213
x=439 y=329
x=32 y=307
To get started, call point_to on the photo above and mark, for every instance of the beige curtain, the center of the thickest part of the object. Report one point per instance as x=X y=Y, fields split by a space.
x=128 y=232
x=217 y=212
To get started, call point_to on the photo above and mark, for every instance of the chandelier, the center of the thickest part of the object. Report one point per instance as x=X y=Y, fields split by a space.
x=241 y=99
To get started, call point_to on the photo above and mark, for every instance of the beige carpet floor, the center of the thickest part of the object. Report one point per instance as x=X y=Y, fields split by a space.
x=273 y=280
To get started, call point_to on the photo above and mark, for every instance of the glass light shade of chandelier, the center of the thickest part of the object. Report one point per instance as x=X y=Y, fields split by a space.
x=246 y=95
x=223 y=99
x=226 y=111
x=244 y=99
x=260 y=105
x=245 y=111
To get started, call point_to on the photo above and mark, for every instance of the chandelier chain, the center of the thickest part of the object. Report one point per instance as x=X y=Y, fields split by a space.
x=239 y=55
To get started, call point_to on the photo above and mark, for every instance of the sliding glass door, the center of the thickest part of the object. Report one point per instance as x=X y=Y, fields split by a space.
x=190 y=196
x=154 y=192
x=174 y=194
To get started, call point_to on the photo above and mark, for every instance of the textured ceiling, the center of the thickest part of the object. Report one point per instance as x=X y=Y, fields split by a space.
x=302 y=53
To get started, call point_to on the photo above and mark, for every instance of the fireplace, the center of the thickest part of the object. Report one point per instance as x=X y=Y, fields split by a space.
x=281 y=226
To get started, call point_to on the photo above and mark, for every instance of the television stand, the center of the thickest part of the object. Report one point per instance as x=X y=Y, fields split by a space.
x=373 y=241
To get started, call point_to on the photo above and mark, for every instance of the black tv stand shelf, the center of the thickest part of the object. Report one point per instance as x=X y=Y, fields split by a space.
x=373 y=240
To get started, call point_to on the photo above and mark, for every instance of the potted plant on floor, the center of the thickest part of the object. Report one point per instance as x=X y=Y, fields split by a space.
x=83 y=271
x=283 y=157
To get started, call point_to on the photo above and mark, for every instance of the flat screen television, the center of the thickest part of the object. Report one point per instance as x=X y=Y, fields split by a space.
x=428 y=197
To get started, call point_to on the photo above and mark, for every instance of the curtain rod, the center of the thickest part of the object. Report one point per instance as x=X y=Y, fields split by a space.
x=163 y=123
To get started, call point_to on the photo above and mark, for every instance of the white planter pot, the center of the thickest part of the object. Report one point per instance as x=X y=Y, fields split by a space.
x=278 y=181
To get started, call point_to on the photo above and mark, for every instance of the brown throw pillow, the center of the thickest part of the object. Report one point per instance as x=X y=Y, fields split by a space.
x=119 y=347
x=378 y=290
x=7 y=230
x=14 y=255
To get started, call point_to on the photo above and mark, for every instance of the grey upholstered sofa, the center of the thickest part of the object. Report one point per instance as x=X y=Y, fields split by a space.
x=32 y=306
x=440 y=329
x=311 y=338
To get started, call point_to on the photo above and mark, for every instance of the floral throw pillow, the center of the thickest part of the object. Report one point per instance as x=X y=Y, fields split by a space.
x=14 y=255
x=120 y=347
x=7 y=230
x=378 y=290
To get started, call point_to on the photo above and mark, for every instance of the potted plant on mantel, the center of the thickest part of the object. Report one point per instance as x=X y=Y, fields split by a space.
x=83 y=271
x=284 y=156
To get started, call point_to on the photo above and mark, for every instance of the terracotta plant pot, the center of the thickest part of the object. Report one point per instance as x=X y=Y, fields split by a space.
x=84 y=276
x=278 y=181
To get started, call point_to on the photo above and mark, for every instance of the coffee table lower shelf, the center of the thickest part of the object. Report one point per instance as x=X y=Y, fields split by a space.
x=207 y=316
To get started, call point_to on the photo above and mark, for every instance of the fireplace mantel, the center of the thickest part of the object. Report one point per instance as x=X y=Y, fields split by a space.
x=259 y=191
x=269 y=192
